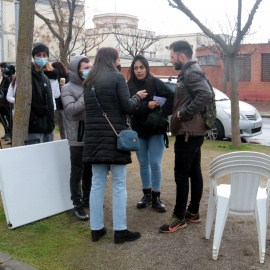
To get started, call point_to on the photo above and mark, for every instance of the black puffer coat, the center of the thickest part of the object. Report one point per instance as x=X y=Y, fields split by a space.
x=42 y=111
x=100 y=140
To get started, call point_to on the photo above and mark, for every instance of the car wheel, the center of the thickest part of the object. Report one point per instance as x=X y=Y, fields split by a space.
x=217 y=131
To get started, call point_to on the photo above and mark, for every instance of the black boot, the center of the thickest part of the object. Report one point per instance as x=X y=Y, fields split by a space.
x=95 y=235
x=125 y=235
x=156 y=202
x=146 y=199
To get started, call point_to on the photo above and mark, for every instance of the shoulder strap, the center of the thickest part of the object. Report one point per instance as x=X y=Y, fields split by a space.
x=103 y=113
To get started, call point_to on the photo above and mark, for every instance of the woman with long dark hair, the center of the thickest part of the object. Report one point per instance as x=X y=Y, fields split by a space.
x=60 y=117
x=106 y=86
x=152 y=141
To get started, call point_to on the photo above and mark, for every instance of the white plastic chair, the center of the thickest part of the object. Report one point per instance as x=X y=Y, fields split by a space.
x=242 y=197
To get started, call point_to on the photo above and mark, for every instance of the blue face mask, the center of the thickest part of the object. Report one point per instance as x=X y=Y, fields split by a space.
x=85 y=73
x=41 y=61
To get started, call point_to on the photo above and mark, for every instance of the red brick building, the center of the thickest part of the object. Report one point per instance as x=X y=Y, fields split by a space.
x=253 y=71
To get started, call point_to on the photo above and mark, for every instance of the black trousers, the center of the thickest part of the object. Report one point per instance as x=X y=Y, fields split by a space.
x=5 y=118
x=188 y=165
x=79 y=171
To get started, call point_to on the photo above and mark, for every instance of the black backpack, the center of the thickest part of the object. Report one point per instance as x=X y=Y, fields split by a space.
x=209 y=113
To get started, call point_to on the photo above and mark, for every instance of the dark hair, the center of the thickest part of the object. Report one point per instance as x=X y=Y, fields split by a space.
x=133 y=81
x=84 y=60
x=60 y=67
x=40 y=47
x=3 y=64
x=182 y=46
x=104 y=62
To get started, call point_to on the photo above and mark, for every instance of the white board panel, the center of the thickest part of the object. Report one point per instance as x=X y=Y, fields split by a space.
x=34 y=181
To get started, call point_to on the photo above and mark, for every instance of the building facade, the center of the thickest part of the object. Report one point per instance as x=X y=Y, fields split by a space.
x=253 y=71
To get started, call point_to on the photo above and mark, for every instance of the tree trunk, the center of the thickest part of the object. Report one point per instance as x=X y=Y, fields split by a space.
x=235 y=116
x=225 y=75
x=23 y=72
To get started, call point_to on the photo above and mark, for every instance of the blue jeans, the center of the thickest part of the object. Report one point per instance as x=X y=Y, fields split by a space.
x=99 y=177
x=149 y=156
x=43 y=137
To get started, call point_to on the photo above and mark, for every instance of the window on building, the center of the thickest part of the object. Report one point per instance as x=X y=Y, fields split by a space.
x=207 y=60
x=243 y=67
x=266 y=67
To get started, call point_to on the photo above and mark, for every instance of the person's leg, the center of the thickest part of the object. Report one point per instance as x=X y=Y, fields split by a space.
x=76 y=153
x=119 y=205
x=59 y=120
x=196 y=179
x=35 y=138
x=86 y=182
x=48 y=137
x=184 y=156
x=156 y=147
x=97 y=195
x=119 y=173
x=143 y=158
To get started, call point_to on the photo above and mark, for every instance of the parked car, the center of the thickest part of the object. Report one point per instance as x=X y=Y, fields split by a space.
x=250 y=119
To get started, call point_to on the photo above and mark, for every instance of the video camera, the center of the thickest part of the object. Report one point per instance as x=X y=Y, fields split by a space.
x=9 y=70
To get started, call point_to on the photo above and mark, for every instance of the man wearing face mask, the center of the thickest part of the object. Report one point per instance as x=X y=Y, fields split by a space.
x=41 y=122
x=72 y=97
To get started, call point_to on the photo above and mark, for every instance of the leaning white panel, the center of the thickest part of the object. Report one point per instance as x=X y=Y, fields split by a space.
x=34 y=182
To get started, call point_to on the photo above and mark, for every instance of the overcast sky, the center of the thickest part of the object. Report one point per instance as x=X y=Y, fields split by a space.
x=158 y=16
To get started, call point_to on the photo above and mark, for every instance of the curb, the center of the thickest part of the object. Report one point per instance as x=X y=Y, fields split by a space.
x=8 y=263
x=265 y=115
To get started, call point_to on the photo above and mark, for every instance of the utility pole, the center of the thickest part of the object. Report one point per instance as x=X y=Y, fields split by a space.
x=2 y=32
x=17 y=9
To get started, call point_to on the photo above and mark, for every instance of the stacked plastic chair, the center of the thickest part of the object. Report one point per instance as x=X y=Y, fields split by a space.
x=243 y=196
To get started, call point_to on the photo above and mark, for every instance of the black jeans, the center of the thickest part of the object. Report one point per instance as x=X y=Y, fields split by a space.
x=79 y=170
x=188 y=165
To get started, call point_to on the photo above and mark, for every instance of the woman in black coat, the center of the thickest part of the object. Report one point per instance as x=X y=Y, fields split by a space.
x=152 y=141
x=100 y=145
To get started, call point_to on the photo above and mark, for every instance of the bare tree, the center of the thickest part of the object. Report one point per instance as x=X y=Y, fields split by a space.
x=67 y=26
x=231 y=52
x=23 y=72
x=216 y=49
x=134 y=41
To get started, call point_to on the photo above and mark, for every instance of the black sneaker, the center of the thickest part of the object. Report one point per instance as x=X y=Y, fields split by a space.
x=96 y=234
x=195 y=218
x=125 y=235
x=174 y=225
x=79 y=213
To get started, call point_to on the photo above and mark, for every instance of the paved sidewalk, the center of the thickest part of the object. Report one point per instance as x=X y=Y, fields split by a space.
x=8 y=263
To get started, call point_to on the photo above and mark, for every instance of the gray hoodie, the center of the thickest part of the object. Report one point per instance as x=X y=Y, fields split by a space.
x=73 y=102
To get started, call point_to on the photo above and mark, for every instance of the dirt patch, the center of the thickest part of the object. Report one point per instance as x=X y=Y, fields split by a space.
x=185 y=249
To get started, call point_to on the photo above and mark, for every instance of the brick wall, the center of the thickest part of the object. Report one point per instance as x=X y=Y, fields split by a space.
x=253 y=91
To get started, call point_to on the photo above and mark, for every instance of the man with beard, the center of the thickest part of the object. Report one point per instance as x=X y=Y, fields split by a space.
x=192 y=94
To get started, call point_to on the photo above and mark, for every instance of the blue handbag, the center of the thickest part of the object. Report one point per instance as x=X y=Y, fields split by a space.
x=127 y=140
